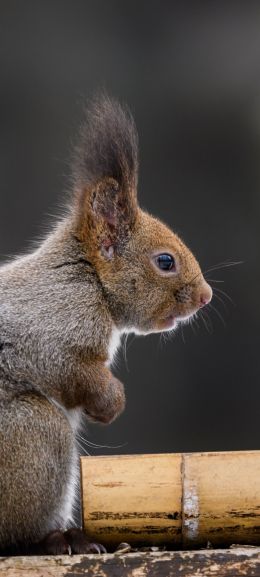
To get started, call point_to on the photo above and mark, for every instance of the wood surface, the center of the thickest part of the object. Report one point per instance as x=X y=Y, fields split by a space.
x=204 y=563
x=178 y=500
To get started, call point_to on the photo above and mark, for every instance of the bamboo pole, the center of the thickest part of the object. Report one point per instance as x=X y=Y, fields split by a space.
x=178 y=500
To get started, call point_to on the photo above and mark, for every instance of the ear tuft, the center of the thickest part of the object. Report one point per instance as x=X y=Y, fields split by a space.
x=105 y=166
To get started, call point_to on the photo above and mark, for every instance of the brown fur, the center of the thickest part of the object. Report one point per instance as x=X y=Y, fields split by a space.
x=62 y=310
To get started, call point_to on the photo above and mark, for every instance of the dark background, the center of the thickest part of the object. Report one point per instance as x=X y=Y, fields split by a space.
x=190 y=72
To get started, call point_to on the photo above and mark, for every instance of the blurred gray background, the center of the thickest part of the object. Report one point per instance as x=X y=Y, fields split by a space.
x=190 y=72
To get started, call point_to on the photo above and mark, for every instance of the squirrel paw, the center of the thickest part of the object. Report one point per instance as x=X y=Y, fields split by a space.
x=53 y=544
x=73 y=541
x=112 y=404
x=79 y=543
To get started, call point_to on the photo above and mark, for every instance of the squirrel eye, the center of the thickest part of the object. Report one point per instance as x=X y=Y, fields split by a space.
x=166 y=262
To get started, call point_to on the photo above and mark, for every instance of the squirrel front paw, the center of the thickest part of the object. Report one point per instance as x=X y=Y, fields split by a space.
x=109 y=404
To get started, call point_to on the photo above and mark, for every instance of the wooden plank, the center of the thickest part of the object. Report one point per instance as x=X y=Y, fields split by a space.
x=172 y=499
x=214 y=563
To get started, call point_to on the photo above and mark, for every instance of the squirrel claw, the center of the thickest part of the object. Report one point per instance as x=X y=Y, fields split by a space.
x=71 y=542
x=80 y=544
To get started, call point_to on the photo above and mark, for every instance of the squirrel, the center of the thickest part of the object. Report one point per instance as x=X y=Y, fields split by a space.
x=107 y=267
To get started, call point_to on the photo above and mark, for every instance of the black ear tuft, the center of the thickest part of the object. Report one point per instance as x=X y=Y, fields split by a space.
x=107 y=147
x=105 y=174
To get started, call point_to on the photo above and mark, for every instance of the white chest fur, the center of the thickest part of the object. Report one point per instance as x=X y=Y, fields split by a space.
x=114 y=344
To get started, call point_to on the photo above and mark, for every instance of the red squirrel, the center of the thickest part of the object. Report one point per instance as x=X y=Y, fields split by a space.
x=106 y=268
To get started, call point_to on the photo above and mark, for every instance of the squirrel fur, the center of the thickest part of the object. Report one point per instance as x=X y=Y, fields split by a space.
x=63 y=309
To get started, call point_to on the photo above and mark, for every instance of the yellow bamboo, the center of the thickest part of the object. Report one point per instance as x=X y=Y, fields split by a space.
x=172 y=499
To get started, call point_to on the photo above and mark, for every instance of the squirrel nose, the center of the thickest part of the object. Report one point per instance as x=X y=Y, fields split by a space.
x=205 y=295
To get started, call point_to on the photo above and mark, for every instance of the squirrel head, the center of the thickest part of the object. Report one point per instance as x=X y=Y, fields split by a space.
x=149 y=277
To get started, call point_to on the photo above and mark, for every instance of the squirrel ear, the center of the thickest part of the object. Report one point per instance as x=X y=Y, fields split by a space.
x=106 y=215
x=115 y=206
x=105 y=204
x=105 y=174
